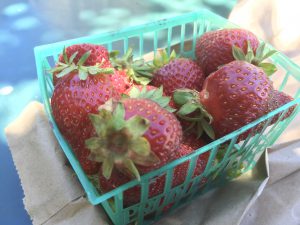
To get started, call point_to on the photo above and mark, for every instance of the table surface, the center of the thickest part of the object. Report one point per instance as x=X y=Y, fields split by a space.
x=25 y=24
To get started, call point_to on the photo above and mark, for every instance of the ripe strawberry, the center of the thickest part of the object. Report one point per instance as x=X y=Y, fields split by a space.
x=173 y=73
x=277 y=100
x=189 y=144
x=98 y=55
x=235 y=95
x=76 y=95
x=156 y=186
x=137 y=137
x=214 y=48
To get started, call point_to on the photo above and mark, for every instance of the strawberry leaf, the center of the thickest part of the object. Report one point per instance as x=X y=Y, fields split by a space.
x=268 y=68
x=260 y=50
x=129 y=165
x=72 y=57
x=65 y=55
x=182 y=96
x=94 y=143
x=187 y=109
x=134 y=92
x=238 y=53
x=149 y=160
x=83 y=74
x=140 y=146
x=66 y=71
x=107 y=167
x=268 y=54
x=84 y=57
x=114 y=54
x=137 y=125
x=208 y=129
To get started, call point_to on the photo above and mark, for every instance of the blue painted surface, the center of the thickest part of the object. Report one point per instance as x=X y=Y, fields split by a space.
x=25 y=24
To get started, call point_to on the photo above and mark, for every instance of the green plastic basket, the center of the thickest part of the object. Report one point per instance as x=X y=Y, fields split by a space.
x=147 y=38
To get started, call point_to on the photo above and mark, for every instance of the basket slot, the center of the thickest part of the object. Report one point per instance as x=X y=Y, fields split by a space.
x=143 y=200
x=109 y=207
x=212 y=156
x=125 y=44
x=141 y=44
x=118 y=202
x=256 y=139
x=169 y=40
x=182 y=34
x=284 y=82
x=195 y=26
x=134 y=43
x=119 y=45
x=155 y=41
x=189 y=35
x=109 y=47
x=279 y=126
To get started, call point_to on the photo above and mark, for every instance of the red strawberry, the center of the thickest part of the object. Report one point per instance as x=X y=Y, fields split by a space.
x=214 y=48
x=235 y=95
x=137 y=137
x=98 y=55
x=277 y=100
x=74 y=97
x=189 y=144
x=175 y=73
x=156 y=186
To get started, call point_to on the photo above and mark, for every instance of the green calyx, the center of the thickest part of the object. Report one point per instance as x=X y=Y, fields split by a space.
x=155 y=95
x=200 y=120
x=120 y=142
x=163 y=58
x=137 y=70
x=69 y=66
x=256 y=58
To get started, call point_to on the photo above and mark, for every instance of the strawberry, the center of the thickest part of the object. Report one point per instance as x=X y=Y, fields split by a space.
x=136 y=135
x=80 y=92
x=72 y=54
x=277 y=100
x=214 y=48
x=157 y=184
x=173 y=73
x=235 y=95
x=189 y=144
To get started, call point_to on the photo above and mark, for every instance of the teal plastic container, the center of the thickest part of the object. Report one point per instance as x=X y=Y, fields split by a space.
x=237 y=157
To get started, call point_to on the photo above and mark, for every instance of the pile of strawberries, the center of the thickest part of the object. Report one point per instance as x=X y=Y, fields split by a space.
x=124 y=118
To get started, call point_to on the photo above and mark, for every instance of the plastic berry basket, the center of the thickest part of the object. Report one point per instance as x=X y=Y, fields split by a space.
x=237 y=156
